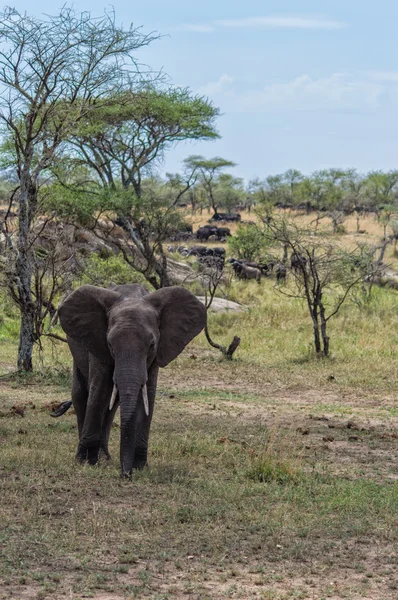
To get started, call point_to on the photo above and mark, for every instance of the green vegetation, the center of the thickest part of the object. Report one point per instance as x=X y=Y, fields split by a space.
x=249 y=242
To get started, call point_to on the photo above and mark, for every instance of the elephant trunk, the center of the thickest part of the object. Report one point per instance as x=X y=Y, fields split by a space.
x=130 y=383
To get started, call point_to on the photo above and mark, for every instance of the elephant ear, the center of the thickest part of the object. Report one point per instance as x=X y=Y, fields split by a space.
x=181 y=317
x=83 y=317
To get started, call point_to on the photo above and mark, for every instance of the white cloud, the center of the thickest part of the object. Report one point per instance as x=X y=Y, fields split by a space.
x=385 y=76
x=334 y=93
x=198 y=28
x=285 y=22
x=217 y=87
x=267 y=22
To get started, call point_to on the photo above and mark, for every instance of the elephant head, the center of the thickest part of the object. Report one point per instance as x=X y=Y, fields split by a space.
x=130 y=331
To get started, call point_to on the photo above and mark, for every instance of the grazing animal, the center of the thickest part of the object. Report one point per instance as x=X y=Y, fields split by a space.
x=203 y=233
x=223 y=232
x=226 y=217
x=212 y=262
x=200 y=251
x=244 y=271
x=280 y=273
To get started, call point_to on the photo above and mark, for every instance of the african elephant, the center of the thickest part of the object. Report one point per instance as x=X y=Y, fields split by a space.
x=119 y=337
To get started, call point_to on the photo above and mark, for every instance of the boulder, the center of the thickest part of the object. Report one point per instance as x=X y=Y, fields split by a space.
x=222 y=305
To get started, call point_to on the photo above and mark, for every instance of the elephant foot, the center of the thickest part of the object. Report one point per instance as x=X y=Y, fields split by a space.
x=88 y=454
x=104 y=452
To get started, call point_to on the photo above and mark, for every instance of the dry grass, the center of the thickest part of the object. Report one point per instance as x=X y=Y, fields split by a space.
x=256 y=490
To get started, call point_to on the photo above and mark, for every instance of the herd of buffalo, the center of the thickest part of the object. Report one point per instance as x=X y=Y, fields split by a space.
x=215 y=257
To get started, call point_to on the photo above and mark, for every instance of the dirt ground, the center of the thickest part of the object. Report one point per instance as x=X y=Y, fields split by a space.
x=350 y=435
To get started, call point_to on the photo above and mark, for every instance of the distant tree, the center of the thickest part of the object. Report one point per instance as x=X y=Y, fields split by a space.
x=292 y=177
x=53 y=73
x=123 y=142
x=278 y=192
x=386 y=215
x=209 y=172
x=323 y=275
x=380 y=189
x=257 y=193
x=229 y=191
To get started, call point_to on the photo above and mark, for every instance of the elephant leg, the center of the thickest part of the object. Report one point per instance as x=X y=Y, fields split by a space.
x=143 y=421
x=106 y=430
x=79 y=397
x=100 y=390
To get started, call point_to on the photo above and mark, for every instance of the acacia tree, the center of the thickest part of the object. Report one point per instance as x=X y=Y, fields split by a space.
x=125 y=140
x=209 y=173
x=120 y=144
x=53 y=73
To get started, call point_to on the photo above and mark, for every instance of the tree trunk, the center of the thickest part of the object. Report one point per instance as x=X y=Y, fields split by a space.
x=325 y=338
x=315 y=326
x=27 y=206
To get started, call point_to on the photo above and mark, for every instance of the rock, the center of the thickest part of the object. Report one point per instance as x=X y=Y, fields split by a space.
x=222 y=305
x=180 y=272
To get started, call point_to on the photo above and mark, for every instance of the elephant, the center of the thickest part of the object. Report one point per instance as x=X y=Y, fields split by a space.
x=119 y=337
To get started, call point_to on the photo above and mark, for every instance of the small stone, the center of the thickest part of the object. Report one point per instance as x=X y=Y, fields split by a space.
x=328 y=438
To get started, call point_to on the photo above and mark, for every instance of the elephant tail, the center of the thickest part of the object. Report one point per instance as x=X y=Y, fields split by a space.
x=61 y=408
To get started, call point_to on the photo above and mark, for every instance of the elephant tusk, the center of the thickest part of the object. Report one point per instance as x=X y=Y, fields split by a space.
x=145 y=398
x=113 y=397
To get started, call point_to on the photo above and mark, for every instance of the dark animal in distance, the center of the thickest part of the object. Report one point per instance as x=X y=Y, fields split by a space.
x=244 y=271
x=264 y=268
x=180 y=236
x=203 y=233
x=211 y=262
x=233 y=217
x=280 y=273
x=298 y=262
x=205 y=251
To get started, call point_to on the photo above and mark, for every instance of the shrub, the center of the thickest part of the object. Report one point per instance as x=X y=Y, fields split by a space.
x=102 y=271
x=249 y=242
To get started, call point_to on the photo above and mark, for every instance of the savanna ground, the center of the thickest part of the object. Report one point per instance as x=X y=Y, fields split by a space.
x=274 y=476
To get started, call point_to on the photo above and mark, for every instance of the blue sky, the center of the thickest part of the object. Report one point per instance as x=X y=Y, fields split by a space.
x=308 y=84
